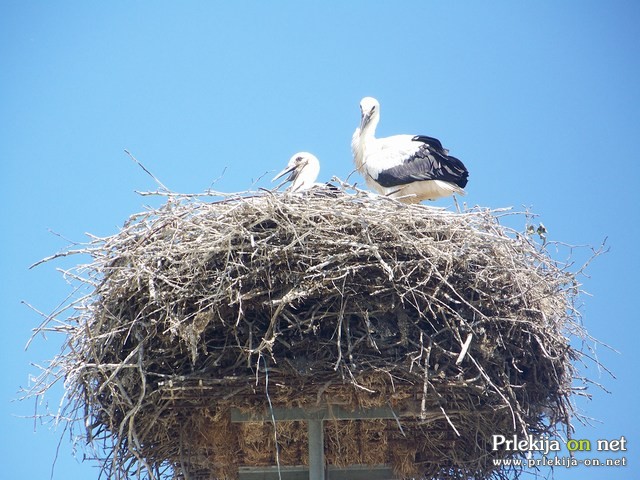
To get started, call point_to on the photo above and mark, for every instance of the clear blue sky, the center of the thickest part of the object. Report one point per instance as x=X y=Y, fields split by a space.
x=540 y=99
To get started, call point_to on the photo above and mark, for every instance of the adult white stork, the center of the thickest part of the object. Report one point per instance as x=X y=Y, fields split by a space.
x=410 y=168
x=303 y=169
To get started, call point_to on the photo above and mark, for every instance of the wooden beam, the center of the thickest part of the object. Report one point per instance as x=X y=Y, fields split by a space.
x=322 y=413
x=301 y=472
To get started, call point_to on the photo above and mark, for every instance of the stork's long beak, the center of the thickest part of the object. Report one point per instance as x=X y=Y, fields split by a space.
x=364 y=121
x=288 y=169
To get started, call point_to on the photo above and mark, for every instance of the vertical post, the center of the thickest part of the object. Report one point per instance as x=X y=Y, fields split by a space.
x=315 y=431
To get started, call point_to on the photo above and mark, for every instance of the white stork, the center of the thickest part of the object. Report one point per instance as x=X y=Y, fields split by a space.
x=303 y=169
x=410 y=168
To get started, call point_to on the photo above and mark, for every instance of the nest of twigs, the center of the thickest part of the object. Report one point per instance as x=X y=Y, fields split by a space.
x=275 y=301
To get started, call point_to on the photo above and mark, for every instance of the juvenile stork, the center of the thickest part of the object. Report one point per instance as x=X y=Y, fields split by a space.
x=410 y=168
x=303 y=169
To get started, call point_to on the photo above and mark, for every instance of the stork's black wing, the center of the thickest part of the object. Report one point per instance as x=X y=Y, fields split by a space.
x=429 y=162
x=433 y=142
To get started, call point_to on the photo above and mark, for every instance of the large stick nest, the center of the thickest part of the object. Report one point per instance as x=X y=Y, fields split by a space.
x=276 y=300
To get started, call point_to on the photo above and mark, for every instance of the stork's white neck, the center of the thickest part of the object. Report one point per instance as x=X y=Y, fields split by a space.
x=363 y=139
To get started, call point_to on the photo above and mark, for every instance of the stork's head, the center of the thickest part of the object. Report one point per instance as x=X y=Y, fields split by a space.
x=370 y=111
x=303 y=168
